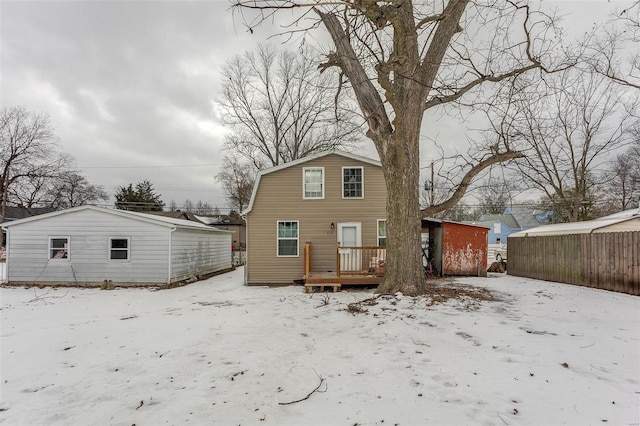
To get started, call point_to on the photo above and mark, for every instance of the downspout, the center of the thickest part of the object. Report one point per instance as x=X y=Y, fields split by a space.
x=173 y=228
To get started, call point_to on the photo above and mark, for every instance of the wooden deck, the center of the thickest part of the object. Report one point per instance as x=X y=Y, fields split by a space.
x=330 y=277
x=321 y=280
x=369 y=275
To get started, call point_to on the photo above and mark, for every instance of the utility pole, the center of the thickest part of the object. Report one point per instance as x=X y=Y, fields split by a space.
x=431 y=194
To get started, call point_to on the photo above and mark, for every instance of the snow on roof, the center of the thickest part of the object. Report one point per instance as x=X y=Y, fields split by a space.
x=623 y=214
x=160 y=220
x=585 y=227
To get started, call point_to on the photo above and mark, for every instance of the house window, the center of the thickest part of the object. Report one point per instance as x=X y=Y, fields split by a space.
x=288 y=238
x=119 y=248
x=352 y=182
x=313 y=182
x=59 y=248
x=382 y=233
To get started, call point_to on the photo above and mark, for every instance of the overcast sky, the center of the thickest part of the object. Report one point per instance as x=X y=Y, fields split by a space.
x=131 y=86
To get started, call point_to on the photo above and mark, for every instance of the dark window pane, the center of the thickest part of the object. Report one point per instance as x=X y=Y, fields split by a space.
x=119 y=243
x=119 y=254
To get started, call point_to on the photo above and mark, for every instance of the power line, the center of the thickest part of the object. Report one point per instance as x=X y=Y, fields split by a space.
x=150 y=167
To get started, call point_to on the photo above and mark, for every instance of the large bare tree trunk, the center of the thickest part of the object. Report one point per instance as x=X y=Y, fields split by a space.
x=403 y=271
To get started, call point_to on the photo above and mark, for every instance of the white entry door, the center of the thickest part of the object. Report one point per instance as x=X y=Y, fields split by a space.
x=350 y=235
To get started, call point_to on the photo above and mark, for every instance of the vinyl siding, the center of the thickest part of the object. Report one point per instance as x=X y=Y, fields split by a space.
x=195 y=252
x=199 y=253
x=279 y=197
x=89 y=233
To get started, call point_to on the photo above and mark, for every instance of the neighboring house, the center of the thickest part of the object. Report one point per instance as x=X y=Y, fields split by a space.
x=179 y=215
x=513 y=219
x=229 y=223
x=86 y=246
x=602 y=253
x=16 y=213
x=330 y=199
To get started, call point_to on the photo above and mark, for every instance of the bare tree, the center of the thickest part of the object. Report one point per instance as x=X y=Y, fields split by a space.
x=493 y=196
x=237 y=180
x=28 y=156
x=621 y=189
x=281 y=109
x=568 y=137
x=402 y=58
x=613 y=48
x=70 y=189
x=187 y=206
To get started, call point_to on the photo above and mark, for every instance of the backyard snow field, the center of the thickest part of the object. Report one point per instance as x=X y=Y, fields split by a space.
x=217 y=352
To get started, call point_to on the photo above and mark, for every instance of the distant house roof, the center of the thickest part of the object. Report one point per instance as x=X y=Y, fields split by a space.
x=17 y=213
x=507 y=219
x=179 y=215
x=623 y=221
x=146 y=217
x=304 y=160
x=222 y=219
x=525 y=216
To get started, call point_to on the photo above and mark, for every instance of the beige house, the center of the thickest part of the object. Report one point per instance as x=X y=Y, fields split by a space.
x=328 y=200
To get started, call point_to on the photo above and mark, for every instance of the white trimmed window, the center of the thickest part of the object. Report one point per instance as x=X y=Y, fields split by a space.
x=382 y=233
x=288 y=238
x=119 y=248
x=59 y=248
x=312 y=182
x=352 y=182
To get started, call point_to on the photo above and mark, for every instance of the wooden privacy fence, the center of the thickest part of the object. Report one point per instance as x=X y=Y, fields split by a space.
x=608 y=261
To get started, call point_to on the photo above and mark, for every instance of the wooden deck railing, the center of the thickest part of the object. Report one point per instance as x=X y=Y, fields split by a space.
x=361 y=260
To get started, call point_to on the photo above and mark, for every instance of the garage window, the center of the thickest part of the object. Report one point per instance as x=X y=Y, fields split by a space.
x=119 y=248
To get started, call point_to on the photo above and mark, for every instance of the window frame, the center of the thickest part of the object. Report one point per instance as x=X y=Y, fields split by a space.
x=110 y=249
x=361 y=183
x=378 y=236
x=304 y=183
x=66 y=247
x=296 y=238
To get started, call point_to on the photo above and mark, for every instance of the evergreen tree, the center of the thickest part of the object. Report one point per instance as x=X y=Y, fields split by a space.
x=141 y=198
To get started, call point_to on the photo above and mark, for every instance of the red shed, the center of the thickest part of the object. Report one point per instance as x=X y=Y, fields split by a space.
x=456 y=248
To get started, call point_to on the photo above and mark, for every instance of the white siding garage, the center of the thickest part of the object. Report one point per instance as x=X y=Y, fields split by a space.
x=87 y=245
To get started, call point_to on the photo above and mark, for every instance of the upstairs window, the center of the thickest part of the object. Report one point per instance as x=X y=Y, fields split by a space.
x=382 y=233
x=352 y=182
x=313 y=182
x=119 y=248
x=287 y=238
x=59 y=248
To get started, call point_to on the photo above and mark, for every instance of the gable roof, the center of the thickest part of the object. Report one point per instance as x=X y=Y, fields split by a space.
x=525 y=216
x=168 y=222
x=301 y=161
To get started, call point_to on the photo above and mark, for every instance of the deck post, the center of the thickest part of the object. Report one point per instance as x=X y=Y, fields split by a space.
x=307 y=259
x=338 y=260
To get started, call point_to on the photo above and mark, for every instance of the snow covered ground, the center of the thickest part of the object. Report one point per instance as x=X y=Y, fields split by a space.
x=216 y=352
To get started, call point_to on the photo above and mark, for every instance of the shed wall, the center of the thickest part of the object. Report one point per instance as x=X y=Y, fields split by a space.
x=279 y=197
x=196 y=253
x=464 y=250
x=89 y=232
x=608 y=261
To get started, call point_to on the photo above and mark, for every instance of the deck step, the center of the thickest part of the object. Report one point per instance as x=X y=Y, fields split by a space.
x=308 y=287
